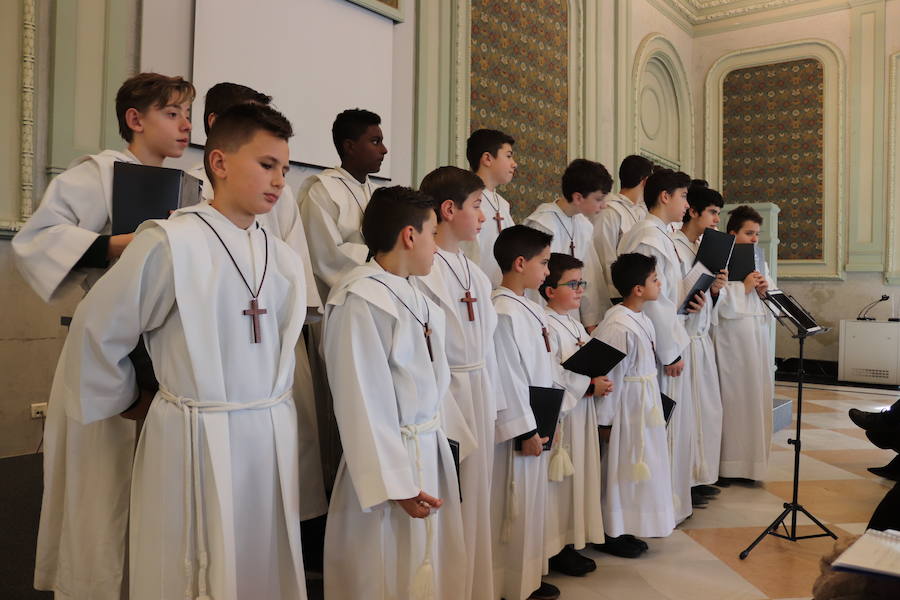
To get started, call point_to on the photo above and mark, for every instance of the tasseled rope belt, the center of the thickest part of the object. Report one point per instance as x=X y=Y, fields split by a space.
x=193 y=512
x=640 y=470
x=477 y=366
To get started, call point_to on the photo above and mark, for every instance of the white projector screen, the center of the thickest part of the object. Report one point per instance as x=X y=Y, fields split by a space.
x=314 y=57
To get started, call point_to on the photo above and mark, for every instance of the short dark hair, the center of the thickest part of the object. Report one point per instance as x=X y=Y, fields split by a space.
x=485 y=140
x=237 y=126
x=738 y=216
x=149 y=90
x=390 y=210
x=350 y=125
x=516 y=241
x=699 y=183
x=664 y=180
x=559 y=264
x=633 y=169
x=630 y=270
x=701 y=197
x=450 y=183
x=585 y=177
x=223 y=96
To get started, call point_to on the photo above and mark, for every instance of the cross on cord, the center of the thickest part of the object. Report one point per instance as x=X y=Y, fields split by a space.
x=253 y=312
x=469 y=299
x=498 y=217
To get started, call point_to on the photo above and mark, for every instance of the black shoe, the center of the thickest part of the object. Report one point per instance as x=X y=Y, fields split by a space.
x=698 y=500
x=545 y=592
x=637 y=541
x=569 y=562
x=889 y=471
x=706 y=490
x=887 y=420
x=885 y=440
x=620 y=546
x=723 y=482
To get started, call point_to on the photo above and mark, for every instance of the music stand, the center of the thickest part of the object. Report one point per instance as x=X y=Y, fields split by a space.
x=801 y=325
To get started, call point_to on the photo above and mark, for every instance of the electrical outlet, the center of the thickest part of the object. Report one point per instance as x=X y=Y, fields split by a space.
x=39 y=410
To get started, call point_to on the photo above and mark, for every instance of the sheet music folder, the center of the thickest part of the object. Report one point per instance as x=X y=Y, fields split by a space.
x=141 y=193
x=875 y=552
x=545 y=404
x=715 y=249
x=594 y=359
x=743 y=262
x=801 y=319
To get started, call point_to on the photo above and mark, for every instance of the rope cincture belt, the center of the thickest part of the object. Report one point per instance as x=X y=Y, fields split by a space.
x=640 y=469
x=477 y=366
x=191 y=410
x=422 y=584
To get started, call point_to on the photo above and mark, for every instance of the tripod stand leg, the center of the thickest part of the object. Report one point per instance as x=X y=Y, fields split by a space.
x=817 y=522
x=766 y=532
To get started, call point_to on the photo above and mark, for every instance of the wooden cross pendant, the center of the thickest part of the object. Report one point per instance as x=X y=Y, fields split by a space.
x=468 y=299
x=572 y=247
x=253 y=312
x=546 y=335
x=498 y=217
x=428 y=341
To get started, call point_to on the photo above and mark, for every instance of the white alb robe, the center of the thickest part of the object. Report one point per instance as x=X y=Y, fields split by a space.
x=636 y=500
x=474 y=386
x=701 y=360
x=746 y=377
x=481 y=251
x=577 y=230
x=651 y=237
x=388 y=401
x=610 y=224
x=216 y=468
x=574 y=514
x=519 y=492
x=87 y=468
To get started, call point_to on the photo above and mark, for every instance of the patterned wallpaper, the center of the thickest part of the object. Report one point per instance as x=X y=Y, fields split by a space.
x=772 y=148
x=519 y=85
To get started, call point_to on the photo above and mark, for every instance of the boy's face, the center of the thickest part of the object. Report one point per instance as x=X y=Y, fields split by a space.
x=535 y=271
x=675 y=204
x=164 y=130
x=567 y=294
x=466 y=221
x=591 y=204
x=368 y=150
x=503 y=166
x=651 y=288
x=253 y=175
x=747 y=234
x=423 y=247
x=709 y=218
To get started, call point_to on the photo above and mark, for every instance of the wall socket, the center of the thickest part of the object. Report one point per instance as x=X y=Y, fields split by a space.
x=39 y=410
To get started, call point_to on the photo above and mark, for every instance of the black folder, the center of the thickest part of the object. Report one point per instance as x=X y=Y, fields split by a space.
x=454 y=450
x=703 y=283
x=141 y=193
x=594 y=359
x=668 y=405
x=545 y=404
x=715 y=249
x=742 y=263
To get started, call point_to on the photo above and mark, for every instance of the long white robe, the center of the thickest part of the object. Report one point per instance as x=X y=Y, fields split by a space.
x=610 y=224
x=474 y=385
x=577 y=230
x=87 y=468
x=284 y=222
x=634 y=503
x=701 y=360
x=481 y=251
x=384 y=388
x=651 y=237
x=218 y=481
x=741 y=337
x=519 y=492
x=574 y=514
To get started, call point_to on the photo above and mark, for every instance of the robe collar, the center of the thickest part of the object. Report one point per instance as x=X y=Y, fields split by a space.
x=359 y=278
x=441 y=288
x=221 y=220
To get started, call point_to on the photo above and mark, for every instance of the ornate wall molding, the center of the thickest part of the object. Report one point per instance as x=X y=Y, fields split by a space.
x=833 y=145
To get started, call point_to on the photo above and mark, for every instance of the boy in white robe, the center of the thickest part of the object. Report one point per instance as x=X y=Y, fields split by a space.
x=741 y=336
x=524 y=354
x=220 y=303
x=623 y=211
x=637 y=486
x=665 y=194
x=385 y=537
x=81 y=539
x=585 y=184
x=457 y=285
x=490 y=156
x=700 y=359
x=573 y=517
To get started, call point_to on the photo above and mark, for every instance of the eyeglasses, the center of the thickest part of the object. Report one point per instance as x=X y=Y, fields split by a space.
x=575 y=284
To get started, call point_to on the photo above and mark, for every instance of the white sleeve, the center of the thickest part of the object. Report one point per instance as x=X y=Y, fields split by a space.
x=671 y=338
x=596 y=300
x=607 y=407
x=606 y=240
x=516 y=418
x=294 y=235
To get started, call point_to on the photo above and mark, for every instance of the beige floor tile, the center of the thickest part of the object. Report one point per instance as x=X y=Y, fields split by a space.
x=854 y=461
x=853 y=528
x=737 y=506
x=781 y=467
x=836 y=501
x=820 y=439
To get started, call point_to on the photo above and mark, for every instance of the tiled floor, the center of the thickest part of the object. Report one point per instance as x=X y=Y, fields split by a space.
x=700 y=560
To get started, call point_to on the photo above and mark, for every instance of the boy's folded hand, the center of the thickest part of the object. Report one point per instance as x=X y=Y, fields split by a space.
x=534 y=445
x=420 y=506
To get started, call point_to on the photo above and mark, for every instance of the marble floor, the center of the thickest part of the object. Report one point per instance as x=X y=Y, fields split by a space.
x=699 y=561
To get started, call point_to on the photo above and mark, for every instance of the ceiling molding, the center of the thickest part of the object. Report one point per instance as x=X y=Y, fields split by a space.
x=701 y=12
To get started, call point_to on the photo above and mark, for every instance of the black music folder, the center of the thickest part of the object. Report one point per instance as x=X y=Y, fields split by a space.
x=545 y=404
x=668 y=405
x=141 y=193
x=715 y=249
x=703 y=283
x=743 y=262
x=594 y=359
x=454 y=450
